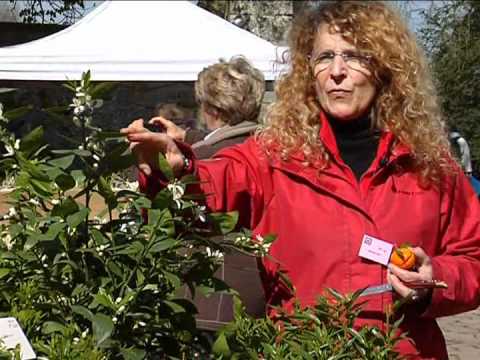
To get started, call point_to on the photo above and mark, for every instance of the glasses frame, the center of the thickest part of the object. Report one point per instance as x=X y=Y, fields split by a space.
x=363 y=58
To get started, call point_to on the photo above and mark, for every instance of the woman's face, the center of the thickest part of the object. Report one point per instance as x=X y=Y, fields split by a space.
x=344 y=83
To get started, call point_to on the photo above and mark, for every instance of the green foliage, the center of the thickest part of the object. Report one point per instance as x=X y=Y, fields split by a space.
x=43 y=11
x=325 y=331
x=451 y=36
x=93 y=286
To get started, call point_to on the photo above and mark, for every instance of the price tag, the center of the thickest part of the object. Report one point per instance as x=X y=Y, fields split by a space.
x=375 y=249
x=11 y=334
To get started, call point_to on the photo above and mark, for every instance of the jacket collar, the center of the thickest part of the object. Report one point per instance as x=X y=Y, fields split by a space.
x=227 y=132
x=388 y=147
x=389 y=150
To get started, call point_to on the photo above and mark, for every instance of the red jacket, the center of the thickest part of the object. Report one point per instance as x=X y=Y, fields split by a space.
x=320 y=219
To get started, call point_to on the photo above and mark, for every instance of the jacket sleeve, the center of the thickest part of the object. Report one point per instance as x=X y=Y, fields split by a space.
x=458 y=259
x=237 y=178
x=233 y=180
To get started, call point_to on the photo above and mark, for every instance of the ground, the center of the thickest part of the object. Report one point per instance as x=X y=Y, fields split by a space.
x=462 y=335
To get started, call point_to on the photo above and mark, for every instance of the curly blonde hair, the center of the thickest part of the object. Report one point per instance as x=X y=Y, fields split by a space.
x=234 y=89
x=406 y=103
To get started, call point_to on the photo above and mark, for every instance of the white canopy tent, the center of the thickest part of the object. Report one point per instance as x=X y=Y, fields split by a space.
x=138 y=41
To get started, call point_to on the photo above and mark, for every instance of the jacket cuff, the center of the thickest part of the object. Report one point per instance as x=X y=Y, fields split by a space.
x=152 y=184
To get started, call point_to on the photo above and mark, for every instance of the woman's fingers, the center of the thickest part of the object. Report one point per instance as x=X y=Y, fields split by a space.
x=160 y=120
x=134 y=126
x=171 y=128
x=404 y=275
x=400 y=288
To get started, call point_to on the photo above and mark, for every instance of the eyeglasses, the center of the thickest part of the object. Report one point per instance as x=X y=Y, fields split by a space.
x=353 y=59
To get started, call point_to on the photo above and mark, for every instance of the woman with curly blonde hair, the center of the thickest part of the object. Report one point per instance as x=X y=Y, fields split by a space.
x=354 y=161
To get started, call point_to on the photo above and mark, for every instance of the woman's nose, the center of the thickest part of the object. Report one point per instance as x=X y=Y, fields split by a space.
x=338 y=68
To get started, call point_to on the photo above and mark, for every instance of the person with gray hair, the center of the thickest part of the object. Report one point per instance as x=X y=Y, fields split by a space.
x=230 y=95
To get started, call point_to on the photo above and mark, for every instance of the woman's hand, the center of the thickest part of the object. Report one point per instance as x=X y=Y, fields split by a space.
x=146 y=146
x=172 y=130
x=399 y=278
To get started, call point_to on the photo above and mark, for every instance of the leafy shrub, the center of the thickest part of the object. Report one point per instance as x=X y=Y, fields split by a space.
x=95 y=287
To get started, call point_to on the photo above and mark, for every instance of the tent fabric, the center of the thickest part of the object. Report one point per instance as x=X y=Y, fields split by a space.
x=138 y=41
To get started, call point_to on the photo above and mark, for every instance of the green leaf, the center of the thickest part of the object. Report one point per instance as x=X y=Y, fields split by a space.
x=65 y=181
x=174 y=306
x=79 y=152
x=102 y=89
x=63 y=162
x=83 y=312
x=134 y=248
x=133 y=353
x=99 y=237
x=142 y=203
x=78 y=175
x=107 y=193
x=220 y=346
x=67 y=207
x=163 y=245
x=50 y=327
x=102 y=328
x=52 y=232
x=161 y=200
x=224 y=222
x=32 y=240
x=41 y=188
x=4 y=272
x=18 y=112
x=77 y=218
x=32 y=141
x=103 y=135
x=165 y=167
x=104 y=300
x=172 y=278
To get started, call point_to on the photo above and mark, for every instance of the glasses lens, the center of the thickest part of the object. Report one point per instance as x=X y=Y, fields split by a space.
x=354 y=61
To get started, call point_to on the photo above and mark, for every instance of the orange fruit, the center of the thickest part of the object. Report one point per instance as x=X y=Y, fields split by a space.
x=403 y=257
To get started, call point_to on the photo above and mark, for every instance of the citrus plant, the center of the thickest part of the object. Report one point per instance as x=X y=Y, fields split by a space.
x=97 y=286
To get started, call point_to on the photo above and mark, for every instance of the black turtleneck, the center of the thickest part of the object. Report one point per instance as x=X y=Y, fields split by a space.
x=357 y=143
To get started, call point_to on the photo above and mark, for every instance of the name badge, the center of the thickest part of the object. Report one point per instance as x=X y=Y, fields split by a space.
x=11 y=334
x=375 y=250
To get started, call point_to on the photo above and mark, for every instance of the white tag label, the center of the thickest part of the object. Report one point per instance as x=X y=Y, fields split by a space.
x=375 y=249
x=12 y=334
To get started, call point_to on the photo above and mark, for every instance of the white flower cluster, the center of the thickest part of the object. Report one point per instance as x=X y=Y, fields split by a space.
x=10 y=150
x=12 y=212
x=258 y=246
x=200 y=212
x=7 y=240
x=100 y=249
x=177 y=190
x=217 y=254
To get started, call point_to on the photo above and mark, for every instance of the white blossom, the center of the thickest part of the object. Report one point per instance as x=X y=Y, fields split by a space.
x=214 y=253
x=177 y=190
x=34 y=202
x=7 y=240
